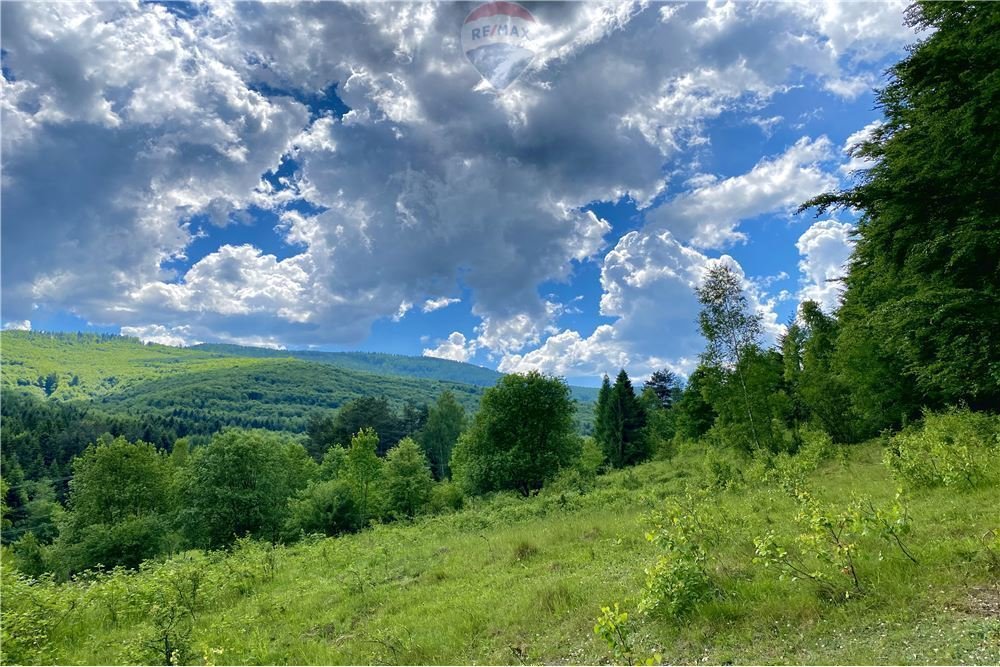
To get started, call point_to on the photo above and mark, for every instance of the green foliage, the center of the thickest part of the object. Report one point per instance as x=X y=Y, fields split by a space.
x=614 y=628
x=730 y=329
x=693 y=412
x=721 y=469
x=415 y=593
x=237 y=486
x=623 y=419
x=678 y=580
x=922 y=288
x=334 y=463
x=665 y=386
x=445 y=497
x=521 y=436
x=32 y=612
x=329 y=507
x=120 y=499
x=955 y=448
x=824 y=395
x=407 y=480
x=756 y=388
x=828 y=549
x=445 y=422
x=364 y=469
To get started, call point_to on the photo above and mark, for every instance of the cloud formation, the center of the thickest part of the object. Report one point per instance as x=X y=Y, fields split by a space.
x=130 y=132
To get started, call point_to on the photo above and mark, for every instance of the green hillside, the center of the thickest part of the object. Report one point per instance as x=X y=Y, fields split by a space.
x=86 y=365
x=512 y=581
x=276 y=394
x=430 y=368
x=96 y=365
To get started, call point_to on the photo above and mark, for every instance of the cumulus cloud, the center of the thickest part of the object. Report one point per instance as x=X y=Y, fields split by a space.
x=708 y=216
x=648 y=280
x=17 y=325
x=129 y=131
x=857 y=164
x=455 y=347
x=825 y=248
x=157 y=333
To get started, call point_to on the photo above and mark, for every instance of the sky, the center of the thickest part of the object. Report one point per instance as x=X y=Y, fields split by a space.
x=342 y=177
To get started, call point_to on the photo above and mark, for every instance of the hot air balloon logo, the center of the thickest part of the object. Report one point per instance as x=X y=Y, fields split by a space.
x=497 y=38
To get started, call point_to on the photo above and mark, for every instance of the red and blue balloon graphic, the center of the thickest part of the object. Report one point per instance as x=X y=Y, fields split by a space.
x=497 y=38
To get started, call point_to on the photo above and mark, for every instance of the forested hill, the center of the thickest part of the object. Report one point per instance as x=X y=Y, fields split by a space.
x=83 y=365
x=62 y=390
x=430 y=368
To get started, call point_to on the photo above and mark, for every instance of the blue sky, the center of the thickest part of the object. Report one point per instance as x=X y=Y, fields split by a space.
x=340 y=177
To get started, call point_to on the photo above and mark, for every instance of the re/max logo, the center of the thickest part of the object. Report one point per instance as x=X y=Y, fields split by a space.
x=499 y=29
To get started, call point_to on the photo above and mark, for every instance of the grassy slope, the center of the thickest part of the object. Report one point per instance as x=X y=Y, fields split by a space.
x=519 y=581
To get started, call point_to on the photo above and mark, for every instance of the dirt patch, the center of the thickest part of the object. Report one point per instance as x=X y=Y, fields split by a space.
x=984 y=601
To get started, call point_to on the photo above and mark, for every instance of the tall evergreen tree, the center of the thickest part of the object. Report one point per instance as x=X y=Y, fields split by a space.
x=665 y=385
x=624 y=443
x=601 y=432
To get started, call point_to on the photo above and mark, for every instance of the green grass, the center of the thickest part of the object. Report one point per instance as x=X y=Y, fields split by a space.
x=510 y=581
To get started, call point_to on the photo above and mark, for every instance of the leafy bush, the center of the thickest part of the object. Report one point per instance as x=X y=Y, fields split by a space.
x=445 y=497
x=407 y=480
x=329 y=507
x=957 y=448
x=827 y=548
x=676 y=583
x=679 y=579
x=721 y=469
x=32 y=610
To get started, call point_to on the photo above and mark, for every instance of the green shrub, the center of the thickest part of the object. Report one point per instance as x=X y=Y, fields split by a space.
x=446 y=497
x=957 y=448
x=330 y=508
x=721 y=469
x=676 y=583
x=679 y=579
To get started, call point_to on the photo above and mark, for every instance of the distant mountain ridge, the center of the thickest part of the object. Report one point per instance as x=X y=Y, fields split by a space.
x=108 y=367
x=384 y=363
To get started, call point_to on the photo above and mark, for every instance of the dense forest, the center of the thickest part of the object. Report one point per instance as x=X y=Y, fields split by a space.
x=828 y=498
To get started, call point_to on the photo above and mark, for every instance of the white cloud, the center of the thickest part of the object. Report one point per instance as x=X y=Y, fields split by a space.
x=404 y=308
x=426 y=187
x=430 y=305
x=855 y=163
x=709 y=215
x=157 y=333
x=825 y=248
x=454 y=347
x=17 y=325
x=649 y=280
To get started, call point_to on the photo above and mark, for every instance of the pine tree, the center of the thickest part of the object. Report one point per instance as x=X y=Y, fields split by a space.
x=624 y=443
x=601 y=432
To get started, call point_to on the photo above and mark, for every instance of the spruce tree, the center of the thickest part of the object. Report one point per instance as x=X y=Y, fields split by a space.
x=601 y=432
x=625 y=441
